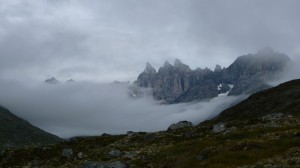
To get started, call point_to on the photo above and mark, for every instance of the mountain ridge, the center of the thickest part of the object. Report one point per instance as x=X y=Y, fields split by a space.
x=247 y=74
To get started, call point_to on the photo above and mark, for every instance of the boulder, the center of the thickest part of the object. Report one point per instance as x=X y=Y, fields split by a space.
x=114 y=153
x=114 y=164
x=179 y=125
x=219 y=128
x=68 y=152
x=80 y=155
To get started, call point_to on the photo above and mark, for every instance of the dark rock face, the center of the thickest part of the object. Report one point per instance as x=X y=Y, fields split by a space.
x=247 y=74
x=171 y=81
x=147 y=78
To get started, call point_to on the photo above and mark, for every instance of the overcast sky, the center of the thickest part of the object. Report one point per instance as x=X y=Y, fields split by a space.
x=107 y=40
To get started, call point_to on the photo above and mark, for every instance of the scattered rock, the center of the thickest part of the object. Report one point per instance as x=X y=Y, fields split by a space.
x=80 y=155
x=45 y=148
x=114 y=153
x=289 y=159
x=105 y=135
x=130 y=155
x=204 y=153
x=200 y=157
x=219 y=128
x=273 y=116
x=149 y=137
x=179 y=125
x=130 y=133
x=188 y=134
x=272 y=124
x=68 y=152
x=115 y=164
x=2 y=153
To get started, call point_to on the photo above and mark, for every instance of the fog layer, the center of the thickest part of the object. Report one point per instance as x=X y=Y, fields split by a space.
x=83 y=108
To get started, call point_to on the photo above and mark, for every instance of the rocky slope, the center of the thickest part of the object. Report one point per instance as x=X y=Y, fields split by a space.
x=262 y=131
x=16 y=132
x=247 y=74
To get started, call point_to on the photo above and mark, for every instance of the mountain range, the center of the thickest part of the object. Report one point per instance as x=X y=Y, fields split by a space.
x=246 y=75
x=261 y=131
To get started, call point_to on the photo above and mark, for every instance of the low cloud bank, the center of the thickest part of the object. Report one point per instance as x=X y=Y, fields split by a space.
x=85 y=108
x=291 y=72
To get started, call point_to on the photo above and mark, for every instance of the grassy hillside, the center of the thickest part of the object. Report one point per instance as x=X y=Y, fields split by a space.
x=16 y=132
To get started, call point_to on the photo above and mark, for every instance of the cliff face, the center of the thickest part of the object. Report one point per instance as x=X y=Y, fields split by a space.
x=148 y=77
x=247 y=74
x=171 y=81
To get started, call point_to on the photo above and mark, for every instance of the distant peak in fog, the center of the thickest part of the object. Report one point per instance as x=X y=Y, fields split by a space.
x=149 y=68
x=52 y=80
x=70 y=80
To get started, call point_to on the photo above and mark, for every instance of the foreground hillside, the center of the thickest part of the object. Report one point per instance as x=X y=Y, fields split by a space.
x=16 y=132
x=262 y=131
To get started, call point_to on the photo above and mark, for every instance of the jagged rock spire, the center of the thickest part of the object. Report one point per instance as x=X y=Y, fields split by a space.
x=218 y=68
x=177 y=63
x=167 y=64
x=149 y=68
x=180 y=65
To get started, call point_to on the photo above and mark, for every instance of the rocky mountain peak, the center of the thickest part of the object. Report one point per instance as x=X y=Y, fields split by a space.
x=207 y=69
x=218 y=68
x=179 y=65
x=247 y=74
x=148 y=77
x=149 y=68
x=167 y=64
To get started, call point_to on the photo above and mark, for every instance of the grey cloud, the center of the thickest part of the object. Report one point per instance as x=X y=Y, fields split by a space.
x=42 y=38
